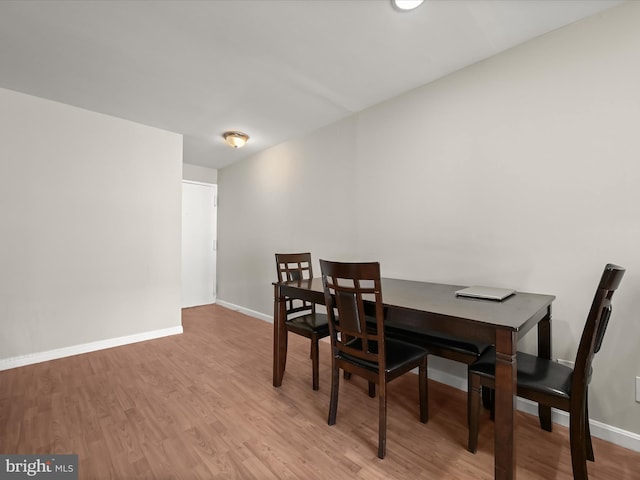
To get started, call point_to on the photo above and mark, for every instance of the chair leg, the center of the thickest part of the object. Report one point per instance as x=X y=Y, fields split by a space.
x=544 y=414
x=487 y=398
x=315 y=362
x=286 y=345
x=372 y=389
x=382 y=422
x=578 y=448
x=587 y=434
x=347 y=375
x=473 y=411
x=333 y=402
x=492 y=411
x=423 y=385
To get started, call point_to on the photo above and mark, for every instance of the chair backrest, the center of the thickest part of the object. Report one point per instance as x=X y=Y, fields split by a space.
x=353 y=292
x=292 y=267
x=595 y=327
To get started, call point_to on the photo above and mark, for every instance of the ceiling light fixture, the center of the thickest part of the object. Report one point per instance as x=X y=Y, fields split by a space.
x=406 y=5
x=235 y=139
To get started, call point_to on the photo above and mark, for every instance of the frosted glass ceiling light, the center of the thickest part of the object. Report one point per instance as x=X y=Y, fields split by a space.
x=406 y=5
x=235 y=139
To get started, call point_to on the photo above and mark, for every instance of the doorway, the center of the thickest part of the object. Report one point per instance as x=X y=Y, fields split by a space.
x=199 y=238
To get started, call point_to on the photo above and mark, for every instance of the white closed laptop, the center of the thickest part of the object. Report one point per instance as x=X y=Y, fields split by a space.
x=489 y=293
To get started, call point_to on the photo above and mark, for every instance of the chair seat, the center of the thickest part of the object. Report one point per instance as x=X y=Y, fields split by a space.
x=397 y=355
x=433 y=340
x=307 y=324
x=534 y=373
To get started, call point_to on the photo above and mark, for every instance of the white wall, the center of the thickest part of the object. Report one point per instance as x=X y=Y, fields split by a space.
x=196 y=173
x=90 y=208
x=546 y=132
x=280 y=201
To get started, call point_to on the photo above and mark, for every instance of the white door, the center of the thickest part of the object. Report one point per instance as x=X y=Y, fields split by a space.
x=198 y=243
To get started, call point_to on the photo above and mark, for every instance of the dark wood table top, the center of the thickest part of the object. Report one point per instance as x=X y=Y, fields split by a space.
x=440 y=300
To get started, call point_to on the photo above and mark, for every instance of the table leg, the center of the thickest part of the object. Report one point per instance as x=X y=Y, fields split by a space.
x=505 y=405
x=279 y=337
x=544 y=351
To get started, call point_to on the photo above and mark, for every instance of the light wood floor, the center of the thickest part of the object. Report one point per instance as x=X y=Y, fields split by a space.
x=201 y=405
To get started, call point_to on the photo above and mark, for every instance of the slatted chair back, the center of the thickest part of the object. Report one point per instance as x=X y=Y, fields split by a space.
x=594 y=329
x=295 y=267
x=347 y=286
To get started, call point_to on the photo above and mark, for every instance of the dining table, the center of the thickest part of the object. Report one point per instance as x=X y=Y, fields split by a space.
x=418 y=306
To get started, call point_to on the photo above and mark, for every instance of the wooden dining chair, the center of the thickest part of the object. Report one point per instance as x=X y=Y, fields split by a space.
x=552 y=384
x=358 y=344
x=301 y=316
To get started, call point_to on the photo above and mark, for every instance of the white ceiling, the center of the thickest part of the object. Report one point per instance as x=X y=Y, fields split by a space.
x=274 y=69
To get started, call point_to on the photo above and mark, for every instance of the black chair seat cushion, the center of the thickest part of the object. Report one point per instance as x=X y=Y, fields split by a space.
x=534 y=373
x=437 y=340
x=397 y=354
x=308 y=324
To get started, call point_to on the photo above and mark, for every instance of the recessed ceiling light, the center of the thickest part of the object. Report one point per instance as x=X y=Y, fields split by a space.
x=406 y=5
x=235 y=139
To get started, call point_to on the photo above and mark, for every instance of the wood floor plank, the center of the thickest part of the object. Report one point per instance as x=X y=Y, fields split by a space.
x=201 y=406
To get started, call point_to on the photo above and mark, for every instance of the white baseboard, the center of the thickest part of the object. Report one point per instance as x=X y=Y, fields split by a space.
x=600 y=430
x=21 y=361
x=612 y=434
x=246 y=311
